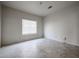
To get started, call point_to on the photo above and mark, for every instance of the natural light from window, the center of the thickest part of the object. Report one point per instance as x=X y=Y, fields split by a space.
x=29 y=27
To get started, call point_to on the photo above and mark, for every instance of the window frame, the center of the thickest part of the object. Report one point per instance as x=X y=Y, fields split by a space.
x=29 y=33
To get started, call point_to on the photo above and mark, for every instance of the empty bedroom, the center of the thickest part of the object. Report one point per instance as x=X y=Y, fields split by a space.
x=39 y=29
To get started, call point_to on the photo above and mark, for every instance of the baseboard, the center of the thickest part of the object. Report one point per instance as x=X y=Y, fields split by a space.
x=67 y=42
x=72 y=44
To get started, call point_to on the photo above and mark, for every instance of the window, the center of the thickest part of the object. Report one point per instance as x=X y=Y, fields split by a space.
x=29 y=27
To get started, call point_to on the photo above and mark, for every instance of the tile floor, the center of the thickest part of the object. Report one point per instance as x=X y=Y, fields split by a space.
x=40 y=48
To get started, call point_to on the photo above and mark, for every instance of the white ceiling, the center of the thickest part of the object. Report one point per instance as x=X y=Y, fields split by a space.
x=34 y=7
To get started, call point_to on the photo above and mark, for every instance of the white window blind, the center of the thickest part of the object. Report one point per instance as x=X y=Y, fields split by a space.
x=29 y=27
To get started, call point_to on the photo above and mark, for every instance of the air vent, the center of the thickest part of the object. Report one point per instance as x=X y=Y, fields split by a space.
x=50 y=7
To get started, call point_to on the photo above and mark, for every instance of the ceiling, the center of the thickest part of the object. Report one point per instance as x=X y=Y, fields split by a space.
x=39 y=8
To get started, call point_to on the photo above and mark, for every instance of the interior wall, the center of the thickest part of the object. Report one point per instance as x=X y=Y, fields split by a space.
x=63 y=25
x=12 y=26
x=0 y=25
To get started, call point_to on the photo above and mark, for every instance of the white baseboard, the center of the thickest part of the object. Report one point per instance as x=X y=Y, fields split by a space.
x=72 y=44
x=67 y=42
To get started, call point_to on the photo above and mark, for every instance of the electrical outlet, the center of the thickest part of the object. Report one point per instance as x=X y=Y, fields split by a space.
x=65 y=38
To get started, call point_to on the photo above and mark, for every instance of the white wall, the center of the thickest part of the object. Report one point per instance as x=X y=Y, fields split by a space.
x=12 y=26
x=0 y=25
x=64 y=23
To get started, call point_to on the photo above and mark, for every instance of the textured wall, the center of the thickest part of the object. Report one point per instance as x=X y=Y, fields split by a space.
x=12 y=26
x=63 y=24
x=0 y=24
